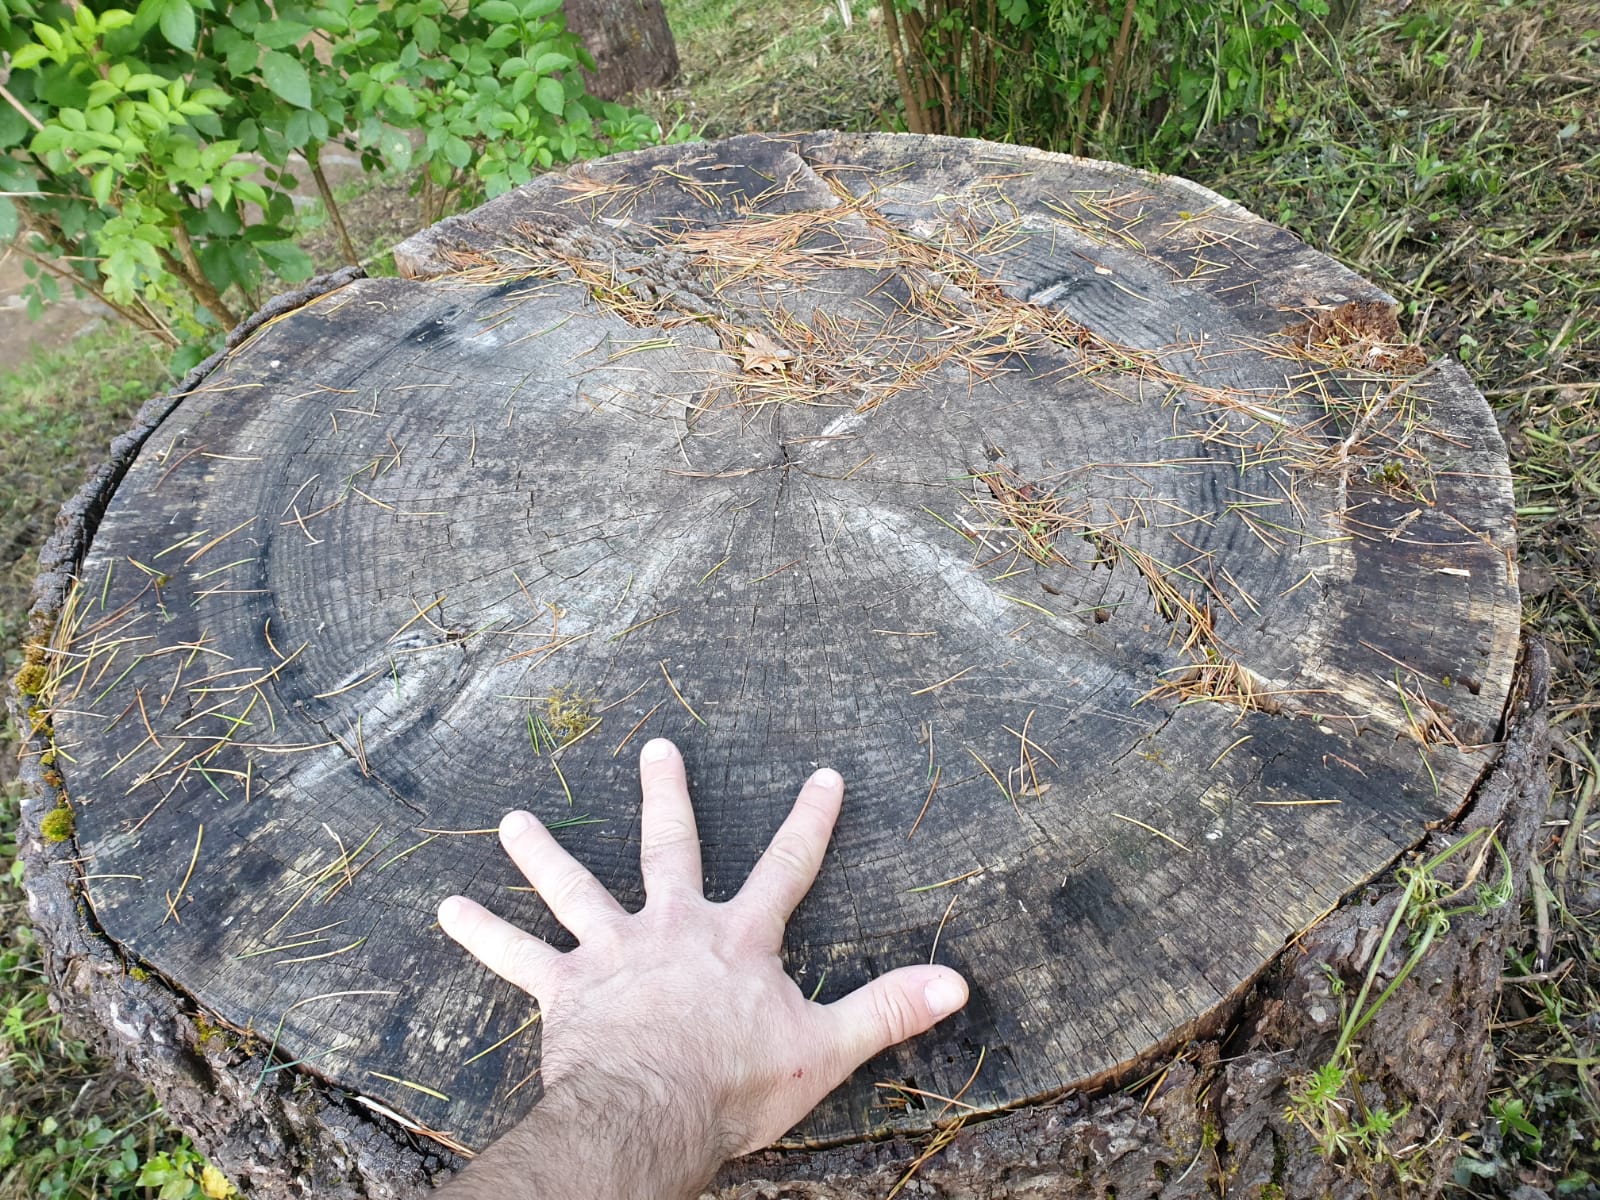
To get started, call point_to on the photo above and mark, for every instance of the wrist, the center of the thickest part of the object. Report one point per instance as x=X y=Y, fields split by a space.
x=665 y=1134
x=602 y=1134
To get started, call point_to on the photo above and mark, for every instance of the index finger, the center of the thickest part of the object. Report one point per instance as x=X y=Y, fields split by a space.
x=576 y=898
x=789 y=866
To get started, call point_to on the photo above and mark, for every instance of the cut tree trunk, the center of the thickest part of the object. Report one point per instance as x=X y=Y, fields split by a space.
x=1151 y=592
x=631 y=43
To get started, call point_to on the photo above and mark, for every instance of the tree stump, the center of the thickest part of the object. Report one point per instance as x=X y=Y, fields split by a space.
x=1150 y=592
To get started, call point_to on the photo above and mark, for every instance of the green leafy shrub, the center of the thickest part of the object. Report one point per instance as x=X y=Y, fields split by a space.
x=478 y=100
x=147 y=156
x=1125 y=78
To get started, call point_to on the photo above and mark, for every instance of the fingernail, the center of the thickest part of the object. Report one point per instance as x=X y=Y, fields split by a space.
x=827 y=777
x=515 y=824
x=944 y=995
x=449 y=909
x=656 y=750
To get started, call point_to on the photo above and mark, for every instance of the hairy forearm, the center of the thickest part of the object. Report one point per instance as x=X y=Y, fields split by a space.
x=598 y=1137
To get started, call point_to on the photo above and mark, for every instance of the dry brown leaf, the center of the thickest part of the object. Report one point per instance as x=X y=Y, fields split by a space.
x=761 y=353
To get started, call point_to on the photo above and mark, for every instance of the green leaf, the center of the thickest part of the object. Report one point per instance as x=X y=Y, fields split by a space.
x=291 y=263
x=502 y=37
x=29 y=56
x=457 y=152
x=500 y=12
x=8 y=220
x=146 y=16
x=241 y=57
x=523 y=87
x=551 y=60
x=14 y=177
x=281 y=34
x=395 y=148
x=297 y=129
x=14 y=129
x=400 y=99
x=177 y=24
x=286 y=78
x=186 y=358
x=552 y=97
x=426 y=34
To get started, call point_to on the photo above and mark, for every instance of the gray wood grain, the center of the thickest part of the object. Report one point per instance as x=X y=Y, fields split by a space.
x=880 y=451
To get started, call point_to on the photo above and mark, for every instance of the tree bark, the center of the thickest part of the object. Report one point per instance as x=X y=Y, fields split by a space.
x=631 y=42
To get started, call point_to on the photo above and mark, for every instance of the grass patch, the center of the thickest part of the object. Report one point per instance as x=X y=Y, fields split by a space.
x=59 y=412
x=767 y=67
x=70 y=1130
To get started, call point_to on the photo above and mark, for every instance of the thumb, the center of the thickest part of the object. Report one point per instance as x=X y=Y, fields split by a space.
x=892 y=1008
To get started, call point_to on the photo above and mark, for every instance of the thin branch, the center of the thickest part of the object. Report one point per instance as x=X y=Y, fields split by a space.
x=144 y=322
x=21 y=108
x=332 y=209
x=194 y=278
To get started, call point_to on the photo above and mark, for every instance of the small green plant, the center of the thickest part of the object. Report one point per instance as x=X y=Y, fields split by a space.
x=1510 y=1114
x=121 y=179
x=478 y=99
x=1330 y=1103
x=183 y=1173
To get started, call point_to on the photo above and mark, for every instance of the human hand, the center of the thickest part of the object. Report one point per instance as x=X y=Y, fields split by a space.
x=673 y=1038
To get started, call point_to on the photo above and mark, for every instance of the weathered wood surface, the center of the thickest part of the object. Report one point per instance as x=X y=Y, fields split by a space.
x=869 y=450
x=1212 y=1122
